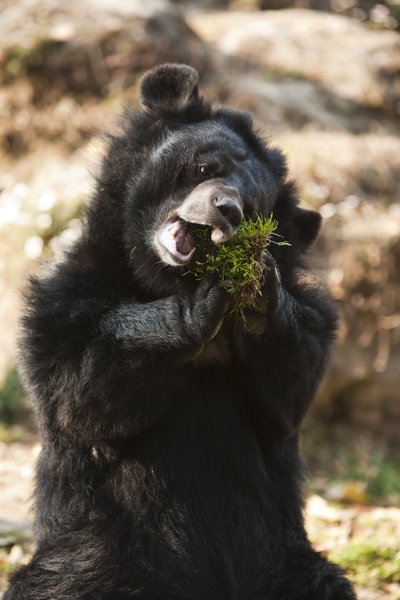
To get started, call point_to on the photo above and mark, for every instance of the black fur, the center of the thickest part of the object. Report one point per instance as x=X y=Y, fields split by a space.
x=170 y=468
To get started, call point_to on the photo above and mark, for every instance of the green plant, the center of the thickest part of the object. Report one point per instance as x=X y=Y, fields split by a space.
x=385 y=481
x=369 y=564
x=238 y=262
x=14 y=408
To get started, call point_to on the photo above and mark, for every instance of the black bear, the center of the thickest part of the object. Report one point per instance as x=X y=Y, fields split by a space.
x=170 y=466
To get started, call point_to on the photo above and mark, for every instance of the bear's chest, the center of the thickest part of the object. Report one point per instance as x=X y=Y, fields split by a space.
x=217 y=351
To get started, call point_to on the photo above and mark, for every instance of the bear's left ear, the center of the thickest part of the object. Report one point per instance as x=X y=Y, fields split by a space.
x=168 y=88
x=307 y=224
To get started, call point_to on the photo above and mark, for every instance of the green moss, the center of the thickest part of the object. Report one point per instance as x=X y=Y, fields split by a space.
x=238 y=262
x=386 y=481
x=368 y=564
x=378 y=469
x=13 y=405
x=380 y=474
x=6 y=568
x=20 y=60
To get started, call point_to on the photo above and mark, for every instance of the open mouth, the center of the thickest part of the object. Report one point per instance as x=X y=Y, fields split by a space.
x=176 y=244
x=176 y=240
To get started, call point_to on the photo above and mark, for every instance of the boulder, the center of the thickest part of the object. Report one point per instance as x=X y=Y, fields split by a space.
x=346 y=58
x=88 y=47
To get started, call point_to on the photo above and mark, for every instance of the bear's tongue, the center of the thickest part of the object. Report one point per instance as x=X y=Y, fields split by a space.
x=184 y=241
x=177 y=240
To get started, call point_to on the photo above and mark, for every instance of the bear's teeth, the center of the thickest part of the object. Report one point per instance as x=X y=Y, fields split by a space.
x=218 y=236
x=174 y=228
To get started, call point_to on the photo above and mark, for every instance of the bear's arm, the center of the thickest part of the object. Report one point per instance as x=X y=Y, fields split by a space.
x=100 y=369
x=284 y=352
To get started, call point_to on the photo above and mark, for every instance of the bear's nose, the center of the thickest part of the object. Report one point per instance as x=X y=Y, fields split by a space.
x=230 y=209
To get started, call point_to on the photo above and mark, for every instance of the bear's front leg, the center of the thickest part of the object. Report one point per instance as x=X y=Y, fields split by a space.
x=282 y=345
x=103 y=373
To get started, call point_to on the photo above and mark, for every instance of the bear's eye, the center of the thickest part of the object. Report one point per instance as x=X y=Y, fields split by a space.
x=203 y=170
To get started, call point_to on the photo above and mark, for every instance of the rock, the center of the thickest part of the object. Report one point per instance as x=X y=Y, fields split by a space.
x=333 y=166
x=353 y=181
x=352 y=62
x=318 y=508
x=205 y=4
x=75 y=47
x=362 y=387
x=14 y=532
x=16 y=555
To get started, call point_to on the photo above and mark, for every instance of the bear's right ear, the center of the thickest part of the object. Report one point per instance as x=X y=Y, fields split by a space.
x=307 y=224
x=169 y=88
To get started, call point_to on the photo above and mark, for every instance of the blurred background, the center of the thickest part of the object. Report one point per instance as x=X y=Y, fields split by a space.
x=322 y=78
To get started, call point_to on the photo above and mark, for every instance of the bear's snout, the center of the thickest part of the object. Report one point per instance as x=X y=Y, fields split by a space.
x=215 y=204
x=229 y=208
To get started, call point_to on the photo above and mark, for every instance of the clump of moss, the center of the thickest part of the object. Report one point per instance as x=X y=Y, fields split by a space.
x=239 y=262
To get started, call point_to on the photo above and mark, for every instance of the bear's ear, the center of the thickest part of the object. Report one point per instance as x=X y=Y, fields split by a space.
x=307 y=224
x=168 y=88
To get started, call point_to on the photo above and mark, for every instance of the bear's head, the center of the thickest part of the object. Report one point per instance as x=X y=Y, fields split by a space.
x=180 y=160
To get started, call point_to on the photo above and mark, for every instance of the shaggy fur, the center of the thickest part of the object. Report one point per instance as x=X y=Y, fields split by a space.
x=170 y=466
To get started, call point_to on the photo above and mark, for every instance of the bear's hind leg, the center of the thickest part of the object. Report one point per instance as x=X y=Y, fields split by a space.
x=71 y=571
x=310 y=576
x=34 y=581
